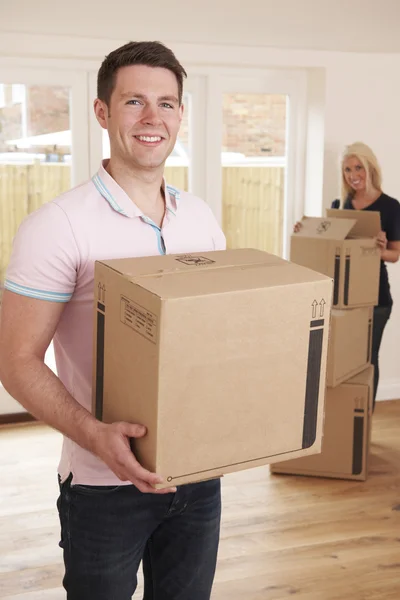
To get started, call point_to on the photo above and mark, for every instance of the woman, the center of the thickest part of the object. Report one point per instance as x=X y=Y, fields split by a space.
x=362 y=190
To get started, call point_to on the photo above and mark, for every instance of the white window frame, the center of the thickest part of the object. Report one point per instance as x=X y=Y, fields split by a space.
x=11 y=72
x=2 y=96
x=18 y=93
x=292 y=83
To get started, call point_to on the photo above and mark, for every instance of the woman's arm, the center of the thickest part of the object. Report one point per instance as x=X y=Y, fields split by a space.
x=390 y=251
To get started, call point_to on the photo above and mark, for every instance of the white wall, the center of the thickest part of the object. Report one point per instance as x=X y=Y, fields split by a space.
x=348 y=25
x=362 y=102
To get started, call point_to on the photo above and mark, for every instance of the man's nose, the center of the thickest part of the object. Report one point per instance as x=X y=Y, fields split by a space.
x=150 y=114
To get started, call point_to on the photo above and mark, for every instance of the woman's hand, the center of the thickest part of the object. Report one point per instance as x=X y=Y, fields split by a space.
x=381 y=241
x=297 y=227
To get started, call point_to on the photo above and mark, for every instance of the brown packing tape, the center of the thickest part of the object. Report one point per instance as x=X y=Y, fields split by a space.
x=166 y=272
x=202 y=269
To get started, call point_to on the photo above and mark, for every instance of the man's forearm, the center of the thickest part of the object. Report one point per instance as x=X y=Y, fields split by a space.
x=41 y=392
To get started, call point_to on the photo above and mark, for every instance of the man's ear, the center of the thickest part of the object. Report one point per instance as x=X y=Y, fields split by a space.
x=181 y=111
x=101 y=112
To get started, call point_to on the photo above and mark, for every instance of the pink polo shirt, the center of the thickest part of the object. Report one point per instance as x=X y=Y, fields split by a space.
x=53 y=259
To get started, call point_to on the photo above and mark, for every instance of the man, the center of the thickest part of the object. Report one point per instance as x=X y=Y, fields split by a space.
x=111 y=515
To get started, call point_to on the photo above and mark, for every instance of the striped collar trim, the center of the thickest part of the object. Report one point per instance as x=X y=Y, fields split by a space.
x=120 y=201
x=102 y=189
x=172 y=198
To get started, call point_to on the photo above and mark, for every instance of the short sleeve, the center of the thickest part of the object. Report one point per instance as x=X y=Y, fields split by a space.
x=393 y=223
x=45 y=257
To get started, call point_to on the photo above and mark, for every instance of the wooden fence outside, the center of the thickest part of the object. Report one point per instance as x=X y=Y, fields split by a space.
x=252 y=202
x=252 y=207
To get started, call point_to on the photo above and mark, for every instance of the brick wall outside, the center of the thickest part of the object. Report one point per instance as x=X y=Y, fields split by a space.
x=254 y=124
x=47 y=112
x=48 y=109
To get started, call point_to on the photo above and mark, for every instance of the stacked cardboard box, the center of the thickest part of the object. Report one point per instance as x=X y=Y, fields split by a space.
x=343 y=245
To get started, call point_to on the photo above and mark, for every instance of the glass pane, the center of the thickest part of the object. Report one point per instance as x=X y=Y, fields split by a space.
x=253 y=170
x=35 y=154
x=177 y=165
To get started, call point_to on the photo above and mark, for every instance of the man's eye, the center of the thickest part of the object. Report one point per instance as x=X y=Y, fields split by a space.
x=166 y=105
x=133 y=102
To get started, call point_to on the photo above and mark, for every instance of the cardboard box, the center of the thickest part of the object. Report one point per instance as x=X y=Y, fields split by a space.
x=342 y=246
x=347 y=432
x=350 y=341
x=222 y=356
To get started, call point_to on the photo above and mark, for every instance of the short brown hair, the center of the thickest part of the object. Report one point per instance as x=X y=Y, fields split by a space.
x=151 y=54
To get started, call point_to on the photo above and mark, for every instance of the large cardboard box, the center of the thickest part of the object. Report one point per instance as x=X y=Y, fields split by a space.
x=347 y=432
x=350 y=342
x=342 y=246
x=222 y=356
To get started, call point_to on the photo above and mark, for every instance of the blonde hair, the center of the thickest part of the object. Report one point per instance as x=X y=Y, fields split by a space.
x=367 y=158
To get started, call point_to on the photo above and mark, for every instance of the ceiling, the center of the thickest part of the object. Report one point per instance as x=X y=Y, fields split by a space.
x=349 y=26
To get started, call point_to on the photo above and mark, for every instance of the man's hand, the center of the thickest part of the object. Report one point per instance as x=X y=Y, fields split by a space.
x=112 y=445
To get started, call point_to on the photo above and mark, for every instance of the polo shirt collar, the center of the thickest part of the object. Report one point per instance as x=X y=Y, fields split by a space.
x=119 y=200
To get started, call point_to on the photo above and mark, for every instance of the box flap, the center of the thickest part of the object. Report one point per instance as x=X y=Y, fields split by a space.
x=368 y=222
x=326 y=228
x=366 y=377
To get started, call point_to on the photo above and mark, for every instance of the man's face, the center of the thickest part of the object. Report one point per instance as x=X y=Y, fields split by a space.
x=144 y=116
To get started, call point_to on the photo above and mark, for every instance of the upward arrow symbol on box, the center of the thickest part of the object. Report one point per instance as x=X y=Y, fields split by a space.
x=314 y=309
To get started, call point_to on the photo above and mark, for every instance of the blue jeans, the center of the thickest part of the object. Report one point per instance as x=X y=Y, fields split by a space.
x=381 y=317
x=106 y=532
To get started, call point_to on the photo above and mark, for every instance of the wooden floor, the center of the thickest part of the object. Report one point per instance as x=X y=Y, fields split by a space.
x=283 y=537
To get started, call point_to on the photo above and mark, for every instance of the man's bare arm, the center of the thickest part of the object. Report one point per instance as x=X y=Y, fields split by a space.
x=27 y=327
